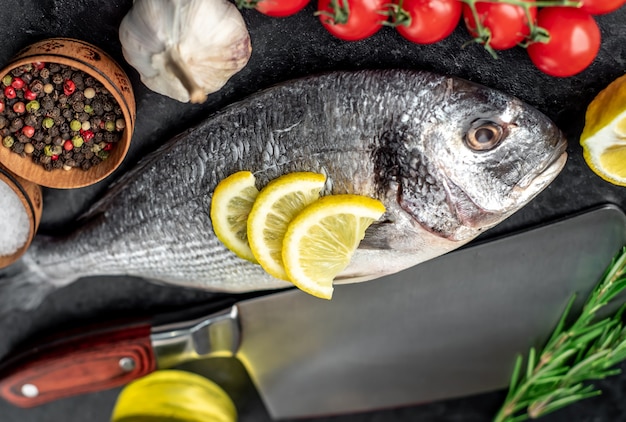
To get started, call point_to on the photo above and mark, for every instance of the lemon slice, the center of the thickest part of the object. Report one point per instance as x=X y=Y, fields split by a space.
x=231 y=203
x=273 y=209
x=321 y=240
x=604 y=136
x=173 y=396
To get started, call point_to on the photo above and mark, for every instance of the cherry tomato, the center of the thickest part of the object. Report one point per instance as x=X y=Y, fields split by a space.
x=352 y=20
x=574 y=41
x=275 y=8
x=507 y=23
x=430 y=20
x=600 y=7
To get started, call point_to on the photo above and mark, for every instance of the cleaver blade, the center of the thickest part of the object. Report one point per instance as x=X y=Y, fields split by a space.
x=447 y=328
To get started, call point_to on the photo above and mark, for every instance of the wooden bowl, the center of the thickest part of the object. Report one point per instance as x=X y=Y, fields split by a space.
x=96 y=63
x=30 y=195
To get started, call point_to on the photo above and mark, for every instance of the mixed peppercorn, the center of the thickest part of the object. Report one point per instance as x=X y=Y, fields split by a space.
x=59 y=116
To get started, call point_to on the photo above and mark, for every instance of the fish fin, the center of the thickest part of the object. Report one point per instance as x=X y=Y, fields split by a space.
x=23 y=286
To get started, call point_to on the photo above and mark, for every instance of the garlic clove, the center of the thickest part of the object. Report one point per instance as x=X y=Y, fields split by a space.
x=185 y=49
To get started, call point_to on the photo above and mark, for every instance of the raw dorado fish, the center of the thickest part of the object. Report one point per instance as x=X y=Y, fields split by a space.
x=448 y=158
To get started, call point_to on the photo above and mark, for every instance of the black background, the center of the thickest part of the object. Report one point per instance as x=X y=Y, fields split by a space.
x=283 y=49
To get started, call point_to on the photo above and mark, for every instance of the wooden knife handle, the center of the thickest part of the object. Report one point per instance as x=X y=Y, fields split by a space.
x=76 y=364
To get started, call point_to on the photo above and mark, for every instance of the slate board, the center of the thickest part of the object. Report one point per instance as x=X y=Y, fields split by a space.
x=284 y=49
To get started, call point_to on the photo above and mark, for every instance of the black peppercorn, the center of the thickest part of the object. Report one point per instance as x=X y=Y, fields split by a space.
x=36 y=86
x=30 y=120
x=27 y=78
x=16 y=124
x=47 y=103
x=18 y=147
x=57 y=79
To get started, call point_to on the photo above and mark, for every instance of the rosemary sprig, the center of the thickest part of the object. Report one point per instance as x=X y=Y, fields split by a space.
x=588 y=349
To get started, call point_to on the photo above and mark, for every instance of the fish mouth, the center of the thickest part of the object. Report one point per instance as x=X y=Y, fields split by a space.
x=531 y=185
x=555 y=162
x=472 y=215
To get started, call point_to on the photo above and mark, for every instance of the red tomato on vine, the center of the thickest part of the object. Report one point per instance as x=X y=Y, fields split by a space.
x=507 y=23
x=426 y=21
x=573 y=44
x=352 y=20
x=274 y=8
x=600 y=7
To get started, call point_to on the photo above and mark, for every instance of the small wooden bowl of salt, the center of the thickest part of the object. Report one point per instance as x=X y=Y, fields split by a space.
x=20 y=213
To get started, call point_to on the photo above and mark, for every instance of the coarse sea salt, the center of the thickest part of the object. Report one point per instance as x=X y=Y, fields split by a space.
x=14 y=223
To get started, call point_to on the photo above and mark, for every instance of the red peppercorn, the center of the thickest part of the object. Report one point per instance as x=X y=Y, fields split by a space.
x=17 y=83
x=87 y=135
x=9 y=92
x=28 y=131
x=1 y=106
x=29 y=95
x=68 y=87
x=108 y=147
x=19 y=107
x=39 y=65
x=68 y=145
x=54 y=157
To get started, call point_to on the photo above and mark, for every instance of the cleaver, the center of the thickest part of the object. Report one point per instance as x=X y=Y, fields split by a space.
x=447 y=328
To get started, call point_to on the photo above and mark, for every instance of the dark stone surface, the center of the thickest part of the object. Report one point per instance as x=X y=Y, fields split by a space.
x=284 y=49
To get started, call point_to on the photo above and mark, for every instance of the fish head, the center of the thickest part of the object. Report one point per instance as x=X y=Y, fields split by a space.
x=475 y=157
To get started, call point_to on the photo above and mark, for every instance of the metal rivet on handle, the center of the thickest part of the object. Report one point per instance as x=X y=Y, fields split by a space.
x=30 y=390
x=127 y=364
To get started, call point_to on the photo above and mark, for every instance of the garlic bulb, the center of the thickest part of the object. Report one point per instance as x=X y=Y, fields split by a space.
x=185 y=49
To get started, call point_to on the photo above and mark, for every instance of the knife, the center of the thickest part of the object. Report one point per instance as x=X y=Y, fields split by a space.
x=446 y=328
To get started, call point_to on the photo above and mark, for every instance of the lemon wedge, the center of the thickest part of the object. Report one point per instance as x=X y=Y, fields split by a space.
x=604 y=136
x=173 y=396
x=321 y=240
x=273 y=209
x=231 y=203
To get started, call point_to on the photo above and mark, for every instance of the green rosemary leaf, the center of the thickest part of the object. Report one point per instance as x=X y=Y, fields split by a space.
x=582 y=369
x=600 y=375
x=515 y=377
x=555 y=393
x=559 y=326
x=617 y=355
x=597 y=325
x=610 y=336
x=560 y=357
x=519 y=418
x=560 y=403
x=616 y=288
x=548 y=380
x=593 y=333
x=537 y=391
x=532 y=355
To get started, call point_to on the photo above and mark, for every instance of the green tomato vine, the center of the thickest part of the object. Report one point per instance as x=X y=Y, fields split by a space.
x=537 y=34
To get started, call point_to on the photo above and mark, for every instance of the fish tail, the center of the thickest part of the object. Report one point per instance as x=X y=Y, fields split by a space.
x=23 y=286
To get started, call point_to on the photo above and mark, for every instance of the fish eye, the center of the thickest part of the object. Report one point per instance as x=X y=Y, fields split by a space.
x=484 y=135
